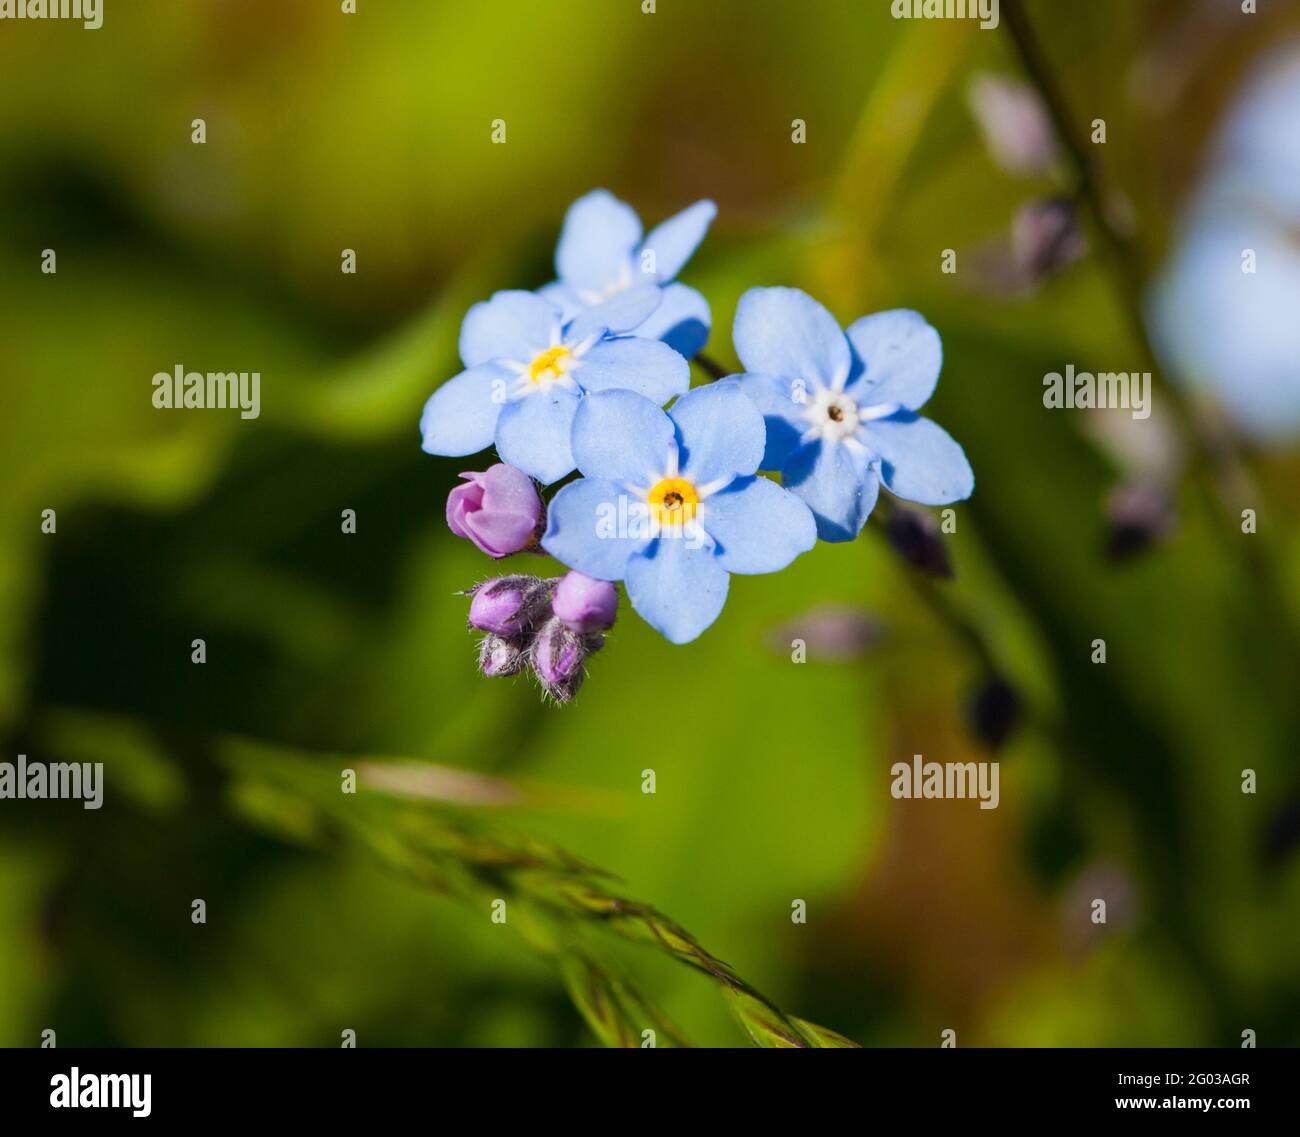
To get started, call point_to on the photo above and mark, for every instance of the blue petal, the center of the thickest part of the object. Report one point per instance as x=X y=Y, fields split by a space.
x=1235 y=332
x=678 y=590
x=622 y=435
x=629 y=363
x=512 y=325
x=782 y=331
x=837 y=484
x=759 y=527
x=920 y=460
x=1259 y=145
x=620 y=313
x=461 y=415
x=673 y=241
x=583 y=529
x=782 y=414
x=898 y=358
x=720 y=434
x=533 y=434
x=682 y=320
x=596 y=244
x=563 y=297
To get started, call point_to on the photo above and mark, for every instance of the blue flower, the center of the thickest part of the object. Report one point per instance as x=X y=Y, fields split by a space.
x=670 y=504
x=527 y=370
x=841 y=407
x=1216 y=321
x=601 y=255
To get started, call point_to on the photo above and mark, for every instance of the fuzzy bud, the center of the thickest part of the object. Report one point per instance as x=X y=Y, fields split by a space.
x=498 y=656
x=559 y=658
x=585 y=605
x=509 y=605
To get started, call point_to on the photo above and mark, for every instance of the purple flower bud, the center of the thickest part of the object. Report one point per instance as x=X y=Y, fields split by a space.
x=994 y=711
x=1016 y=125
x=500 y=656
x=1282 y=836
x=559 y=658
x=1138 y=516
x=1046 y=237
x=831 y=633
x=584 y=604
x=499 y=510
x=509 y=605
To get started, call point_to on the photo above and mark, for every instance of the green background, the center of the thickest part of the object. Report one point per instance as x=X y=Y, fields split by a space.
x=371 y=132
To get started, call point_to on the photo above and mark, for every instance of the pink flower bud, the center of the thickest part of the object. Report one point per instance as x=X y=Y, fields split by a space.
x=1016 y=124
x=584 y=604
x=559 y=659
x=499 y=510
x=508 y=605
x=500 y=656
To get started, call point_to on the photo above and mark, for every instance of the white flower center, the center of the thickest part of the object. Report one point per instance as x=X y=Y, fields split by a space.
x=832 y=415
x=836 y=417
x=621 y=283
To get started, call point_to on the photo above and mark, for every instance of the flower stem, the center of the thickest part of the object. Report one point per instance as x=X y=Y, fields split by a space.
x=1118 y=245
x=1218 y=473
x=934 y=596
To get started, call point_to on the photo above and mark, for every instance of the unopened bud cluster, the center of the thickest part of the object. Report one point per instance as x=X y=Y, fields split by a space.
x=547 y=626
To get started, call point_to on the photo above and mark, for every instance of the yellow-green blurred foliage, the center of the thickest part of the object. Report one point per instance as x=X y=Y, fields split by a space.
x=371 y=132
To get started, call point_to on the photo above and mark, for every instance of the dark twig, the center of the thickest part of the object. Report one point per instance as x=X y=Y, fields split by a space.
x=710 y=366
x=1217 y=470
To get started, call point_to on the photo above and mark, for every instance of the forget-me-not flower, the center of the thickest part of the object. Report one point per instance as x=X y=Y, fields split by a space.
x=841 y=406
x=601 y=255
x=526 y=370
x=670 y=504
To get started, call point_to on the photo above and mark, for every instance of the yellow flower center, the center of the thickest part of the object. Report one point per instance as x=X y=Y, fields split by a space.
x=673 y=502
x=547 y=365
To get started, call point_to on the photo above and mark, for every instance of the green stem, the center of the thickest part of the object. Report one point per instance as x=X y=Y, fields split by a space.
x=1218 y=473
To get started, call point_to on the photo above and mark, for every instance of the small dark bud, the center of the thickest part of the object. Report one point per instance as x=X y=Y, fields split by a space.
x=559 y=657
x=832 y=633
x=1282 y=837
x=1046 y=238
x=498 y=656
x=1137 y=517
x=916 y=538
x=994 y=711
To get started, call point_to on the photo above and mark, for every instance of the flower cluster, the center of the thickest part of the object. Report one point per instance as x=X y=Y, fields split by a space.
x=671 y=502
x=548 y=626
